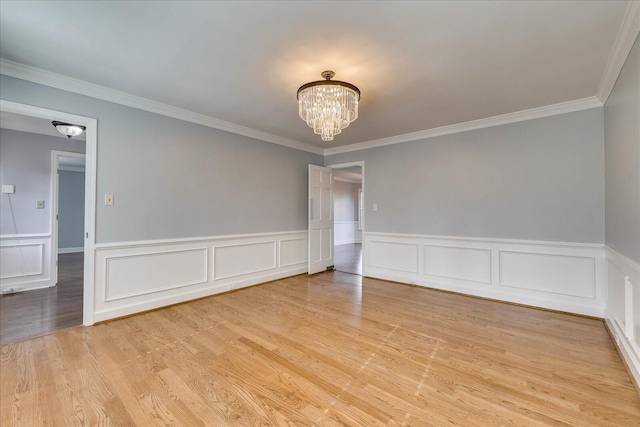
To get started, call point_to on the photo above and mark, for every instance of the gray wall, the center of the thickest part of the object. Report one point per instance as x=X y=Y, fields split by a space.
x=25 y=161
x=540 y=179
x=345 y=200
x=622 y=160
x=70 y=209
x=174 y=179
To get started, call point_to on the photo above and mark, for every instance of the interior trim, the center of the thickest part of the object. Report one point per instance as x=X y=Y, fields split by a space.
x=59 y=81
x=625 y=39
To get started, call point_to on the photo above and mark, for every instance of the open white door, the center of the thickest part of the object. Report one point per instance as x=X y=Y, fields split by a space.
x=320 y=218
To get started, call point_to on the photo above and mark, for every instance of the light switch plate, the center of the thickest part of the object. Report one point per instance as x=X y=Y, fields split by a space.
x=108 y=199
x=375 y=207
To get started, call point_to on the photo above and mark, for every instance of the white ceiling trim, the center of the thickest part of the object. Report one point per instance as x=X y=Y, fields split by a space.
x=36 y=75
x=518 y=116
x=58 y=81
x=627 y=36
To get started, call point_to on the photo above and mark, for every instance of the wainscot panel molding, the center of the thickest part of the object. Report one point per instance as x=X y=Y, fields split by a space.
x=133 y=275
x=25 y=262
x=555 y=275
x=231 y=260
x=622 y=312
x=137 y=276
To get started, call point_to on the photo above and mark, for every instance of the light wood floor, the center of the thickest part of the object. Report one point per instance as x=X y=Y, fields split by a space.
x=348 y=258
x=32 y=313
x=331 y=349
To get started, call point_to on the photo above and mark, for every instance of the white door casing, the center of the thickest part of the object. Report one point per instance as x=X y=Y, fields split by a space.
x=55 y=188
x=320 y=218
x=91 y=142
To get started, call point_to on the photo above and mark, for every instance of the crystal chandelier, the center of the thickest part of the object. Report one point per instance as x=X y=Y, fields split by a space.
x=328 y=106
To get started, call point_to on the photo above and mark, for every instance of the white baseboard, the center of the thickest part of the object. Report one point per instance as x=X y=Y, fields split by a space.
x=623 y=307
x=139 y=276
x=70 y=250
x=25 y=262
x=628 y=349
x=555 y=275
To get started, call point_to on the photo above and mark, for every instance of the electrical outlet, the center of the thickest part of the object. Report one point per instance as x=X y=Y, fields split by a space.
x=40 y=204
x=108 y=199
x=375 y=207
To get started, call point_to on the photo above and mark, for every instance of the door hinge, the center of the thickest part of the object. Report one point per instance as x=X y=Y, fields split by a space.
x=56 y=217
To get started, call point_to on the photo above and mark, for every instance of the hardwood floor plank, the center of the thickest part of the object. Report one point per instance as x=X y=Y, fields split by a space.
x=41 y=311
x=332 y=349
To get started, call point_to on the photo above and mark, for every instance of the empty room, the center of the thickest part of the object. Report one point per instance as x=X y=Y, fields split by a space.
x=320 y=213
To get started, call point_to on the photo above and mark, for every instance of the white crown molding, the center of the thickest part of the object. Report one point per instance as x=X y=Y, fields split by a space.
x=35 y=75
x=518 y=116
x=627 y=36
x=58 y=81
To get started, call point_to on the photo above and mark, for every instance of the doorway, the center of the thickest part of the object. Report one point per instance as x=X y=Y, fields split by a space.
x=51 y=264
x=348 y=203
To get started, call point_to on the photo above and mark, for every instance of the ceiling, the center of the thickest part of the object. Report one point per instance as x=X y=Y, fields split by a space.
x=419 y=65
x=349 y=174
x=24 y=123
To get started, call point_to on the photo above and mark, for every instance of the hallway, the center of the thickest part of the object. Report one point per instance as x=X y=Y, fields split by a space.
x=348 y=258
x=33 y=313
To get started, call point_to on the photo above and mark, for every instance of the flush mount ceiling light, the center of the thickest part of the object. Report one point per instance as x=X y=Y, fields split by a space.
x=328 y=106
x=68 y=129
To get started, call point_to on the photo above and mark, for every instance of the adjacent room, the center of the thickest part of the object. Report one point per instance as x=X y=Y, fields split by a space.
x=278 y=213
x=42 y=227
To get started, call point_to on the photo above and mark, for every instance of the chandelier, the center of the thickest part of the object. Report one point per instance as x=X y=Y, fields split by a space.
x=328 y=106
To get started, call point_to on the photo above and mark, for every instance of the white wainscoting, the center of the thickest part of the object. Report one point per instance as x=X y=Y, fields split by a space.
x=346 y=232
x=561 y=276
x=137 y=276
x=25 y=262
x=623 y=307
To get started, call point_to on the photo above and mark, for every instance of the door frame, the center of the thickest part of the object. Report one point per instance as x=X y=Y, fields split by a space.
x=364 y=195
x=319 y=224
x=91 y=152
x=55 y=203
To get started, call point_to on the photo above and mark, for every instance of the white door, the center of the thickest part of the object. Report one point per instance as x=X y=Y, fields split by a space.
x=320 y=218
